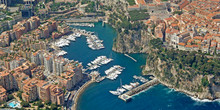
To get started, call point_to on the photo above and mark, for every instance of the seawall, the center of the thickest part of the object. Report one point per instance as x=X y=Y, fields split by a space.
x=79 y=92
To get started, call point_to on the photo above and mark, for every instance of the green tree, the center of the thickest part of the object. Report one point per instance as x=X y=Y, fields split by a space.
x=53 y=107
x=205 y=81
x=10 y=96
x=40 y=104
x=19 y=94
x=25 y=104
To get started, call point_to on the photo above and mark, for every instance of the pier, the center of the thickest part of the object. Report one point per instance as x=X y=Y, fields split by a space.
x=130 y=57
x=128 y=95
x=99 y=79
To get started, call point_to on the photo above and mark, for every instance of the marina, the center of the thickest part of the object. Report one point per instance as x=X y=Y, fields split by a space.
x=113 y=72
x=142 y=79
x=94 y=93
x=93 y=41
x=99 y=61
x=61 y=53
x=124 y=88
x=81 y=24
x=62 y=42
x=65 y=40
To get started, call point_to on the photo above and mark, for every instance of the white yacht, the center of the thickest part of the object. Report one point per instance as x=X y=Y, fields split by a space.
x=135 y=84
x=115 y=92
x=128 y=87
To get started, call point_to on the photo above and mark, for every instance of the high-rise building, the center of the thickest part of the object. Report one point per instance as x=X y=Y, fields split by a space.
x=30 y=90
x=58 y=66
x=3 y=95
x=6 y=80
x=35 y=58
x=44 y=91
x=56 y=95
x=48 y=63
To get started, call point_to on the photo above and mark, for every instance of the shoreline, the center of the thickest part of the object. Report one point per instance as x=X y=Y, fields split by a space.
x=189 y=94
x=79 y=92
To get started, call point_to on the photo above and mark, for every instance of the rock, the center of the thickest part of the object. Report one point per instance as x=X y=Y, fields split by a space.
x=132 y=43
x=180 y=80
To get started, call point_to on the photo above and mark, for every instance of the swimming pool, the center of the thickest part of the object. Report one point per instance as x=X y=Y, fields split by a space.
x=14 y=104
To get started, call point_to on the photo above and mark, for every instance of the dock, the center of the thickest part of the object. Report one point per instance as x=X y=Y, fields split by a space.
x=82 y=33
x=130 y=57
x=128 y=95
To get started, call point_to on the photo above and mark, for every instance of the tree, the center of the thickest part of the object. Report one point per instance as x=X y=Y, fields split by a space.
x=10 y=97
x=205 y=81
x=25 y=104
x=40 y=104
x=53 y=107
x=19 y=94
x=47 y=102
x=177 y=12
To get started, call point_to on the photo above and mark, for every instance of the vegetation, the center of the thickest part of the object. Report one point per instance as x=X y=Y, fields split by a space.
x=6 y=19
x=205 y=81
x=84 y=1
x=10 y=97
x=39 y=104
x=138 y=15
x=61 y=6
x=25 y=104
x=131 y=2
x=123 y=24
x=90 y=8
x=199 y=62
x=53 y=107
x=19 y=94
x=177 y=12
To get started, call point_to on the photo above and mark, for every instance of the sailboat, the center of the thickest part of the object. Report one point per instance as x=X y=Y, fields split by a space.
x=119 y=90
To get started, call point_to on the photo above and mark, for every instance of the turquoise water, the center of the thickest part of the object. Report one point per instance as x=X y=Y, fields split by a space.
x=13 y=104
x=97 y=96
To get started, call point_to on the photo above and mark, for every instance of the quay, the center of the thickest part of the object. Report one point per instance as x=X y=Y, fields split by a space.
x=79 y=92
x=100 y=79
x=130 y=57
x=82 y=33
x=82 y=20
x=128 y=95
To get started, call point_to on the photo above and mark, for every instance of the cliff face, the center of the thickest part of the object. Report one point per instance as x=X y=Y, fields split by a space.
x=134 y=42
x=186 y=80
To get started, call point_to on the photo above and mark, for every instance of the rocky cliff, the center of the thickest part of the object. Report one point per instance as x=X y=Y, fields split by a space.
x=186 y=80
x=134 y=42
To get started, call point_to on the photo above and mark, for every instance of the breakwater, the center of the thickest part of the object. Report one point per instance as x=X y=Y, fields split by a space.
x=128 y=95
x=130 y=57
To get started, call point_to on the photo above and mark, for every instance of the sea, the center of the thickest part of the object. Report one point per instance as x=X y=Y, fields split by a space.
x=97 y=95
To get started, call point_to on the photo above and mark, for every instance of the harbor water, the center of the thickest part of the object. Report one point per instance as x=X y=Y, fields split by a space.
x=97 y=96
